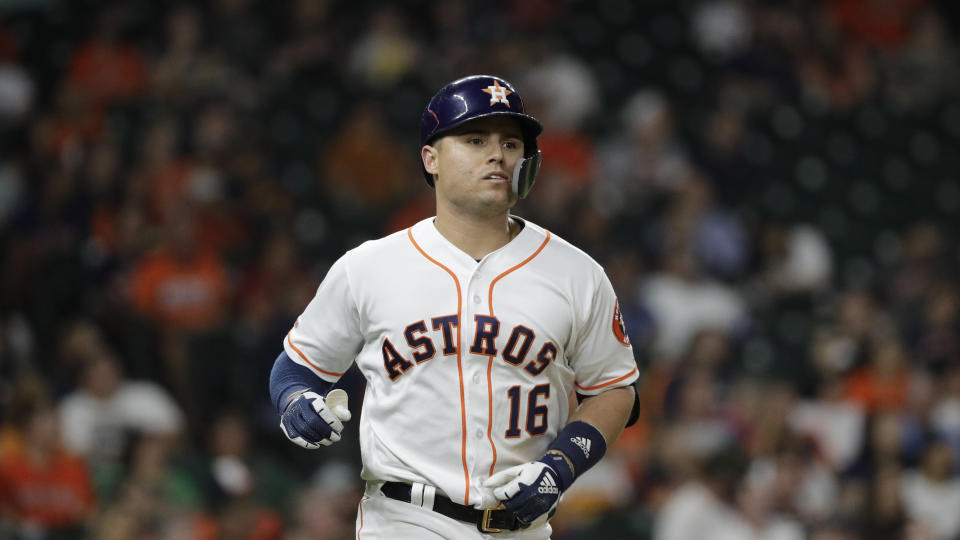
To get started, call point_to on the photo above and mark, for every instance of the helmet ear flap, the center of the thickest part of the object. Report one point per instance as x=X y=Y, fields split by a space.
x=525 y=174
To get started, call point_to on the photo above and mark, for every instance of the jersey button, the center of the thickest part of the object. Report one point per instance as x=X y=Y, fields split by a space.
x=476 y=299
x=479 y=433
x=476 y=378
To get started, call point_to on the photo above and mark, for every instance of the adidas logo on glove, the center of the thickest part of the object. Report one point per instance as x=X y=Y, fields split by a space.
x=583 y=443
x=548 y=486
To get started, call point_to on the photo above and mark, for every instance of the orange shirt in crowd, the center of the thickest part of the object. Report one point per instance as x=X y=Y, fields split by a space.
x=181 y=294
x=54 y=495
x=569 y=152
x=878 y=393
x=885 y=24
x=107 y=72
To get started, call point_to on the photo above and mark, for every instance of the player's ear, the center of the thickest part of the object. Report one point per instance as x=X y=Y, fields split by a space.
x=429 y=156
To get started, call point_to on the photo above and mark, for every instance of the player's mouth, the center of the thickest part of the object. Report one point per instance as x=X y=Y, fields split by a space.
x=497 y=177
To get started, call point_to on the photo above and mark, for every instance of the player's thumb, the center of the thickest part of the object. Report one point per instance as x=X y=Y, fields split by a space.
x=342 y=412
x=337 y=401
x=503 y=477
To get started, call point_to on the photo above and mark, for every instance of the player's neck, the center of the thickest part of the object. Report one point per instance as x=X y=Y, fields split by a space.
x=474 y=236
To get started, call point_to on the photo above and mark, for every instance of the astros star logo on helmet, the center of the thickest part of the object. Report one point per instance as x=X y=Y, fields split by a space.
x=498 y=94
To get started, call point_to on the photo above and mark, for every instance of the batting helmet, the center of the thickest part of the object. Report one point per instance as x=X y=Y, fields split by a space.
x=479 y=96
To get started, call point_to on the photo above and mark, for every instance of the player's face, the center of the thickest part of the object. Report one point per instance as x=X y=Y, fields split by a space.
x=474 y=165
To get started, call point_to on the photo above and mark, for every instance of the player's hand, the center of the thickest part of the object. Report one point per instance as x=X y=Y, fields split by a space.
x=309 y=422
x=530 y=491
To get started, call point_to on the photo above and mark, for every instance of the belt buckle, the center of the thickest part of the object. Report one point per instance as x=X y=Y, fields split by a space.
x=483 y=524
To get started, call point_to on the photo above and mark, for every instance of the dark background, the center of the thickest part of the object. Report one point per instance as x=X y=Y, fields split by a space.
x=771 y=186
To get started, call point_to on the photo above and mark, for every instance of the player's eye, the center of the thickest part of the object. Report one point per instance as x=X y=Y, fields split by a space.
x=475 y=140
x=511 y=145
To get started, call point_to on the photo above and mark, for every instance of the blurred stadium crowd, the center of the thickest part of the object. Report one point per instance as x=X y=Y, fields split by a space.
x=769 y=185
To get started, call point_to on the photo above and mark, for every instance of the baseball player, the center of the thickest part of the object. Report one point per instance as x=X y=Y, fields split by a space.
x=473 y=330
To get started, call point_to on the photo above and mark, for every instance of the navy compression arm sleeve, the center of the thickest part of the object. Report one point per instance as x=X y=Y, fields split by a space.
x=288 y=377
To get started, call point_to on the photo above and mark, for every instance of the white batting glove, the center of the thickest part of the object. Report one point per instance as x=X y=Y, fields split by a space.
x=531 y=491
x=310 y=421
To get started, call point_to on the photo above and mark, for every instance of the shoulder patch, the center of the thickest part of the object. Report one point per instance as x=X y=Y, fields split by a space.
x=619 y=329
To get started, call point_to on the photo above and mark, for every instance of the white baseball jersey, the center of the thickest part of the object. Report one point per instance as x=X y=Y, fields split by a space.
x=469 y=365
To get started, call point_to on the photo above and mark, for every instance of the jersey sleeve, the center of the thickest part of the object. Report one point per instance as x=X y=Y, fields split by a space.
x=601 y=354
x=327 y=336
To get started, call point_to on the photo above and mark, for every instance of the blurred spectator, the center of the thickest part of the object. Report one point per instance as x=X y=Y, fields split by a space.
x=696 y=425
x=183 y=284
x=841 y=345
x=163 y=179
x=45 y=490
x=17 y=93
x=157 y=497
x=644 y=157
x=880 y=385
x=188 y=69
x=718 y=236
x=834 y=423
x=384 y=53
x=725 y=157
x=326 y=507
x=931 y=493
x=104 y=69
x=101 y=416
x=722 y=28
x=835 y=69
x=362 y=167
x=803 y=485
x=885 y=517
x=61 y=131
x=719 y=501
x=563 y=93
x=239 y=471
x=918 y=73
x=765 y=73
x=880 y=24
x=886 y=447
x=937 y=343
x=945 y=412
x=307 y=41
x=757 y=518
x=796 y=261
x=684 y=302
x=921 y=264
x=245 y=490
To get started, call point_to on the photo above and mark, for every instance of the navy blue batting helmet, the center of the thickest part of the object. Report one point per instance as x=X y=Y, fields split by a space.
x=479 y=96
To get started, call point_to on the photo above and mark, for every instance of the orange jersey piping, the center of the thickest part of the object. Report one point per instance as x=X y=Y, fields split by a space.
x=609 y=382
x=307 y=360
x=363 y=500
x=463 y=407
x=493 y=446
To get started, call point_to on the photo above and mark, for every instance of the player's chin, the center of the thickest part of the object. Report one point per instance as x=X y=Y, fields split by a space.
x=500 y=191
x=501 y=201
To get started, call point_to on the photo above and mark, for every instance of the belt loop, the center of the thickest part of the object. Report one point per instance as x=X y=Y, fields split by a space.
x=429 y=493
x=416 y=493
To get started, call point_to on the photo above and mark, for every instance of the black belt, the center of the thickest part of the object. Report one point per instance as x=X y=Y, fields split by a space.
x=488 y=521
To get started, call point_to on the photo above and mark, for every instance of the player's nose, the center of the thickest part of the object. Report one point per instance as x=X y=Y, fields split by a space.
x=495 y=150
